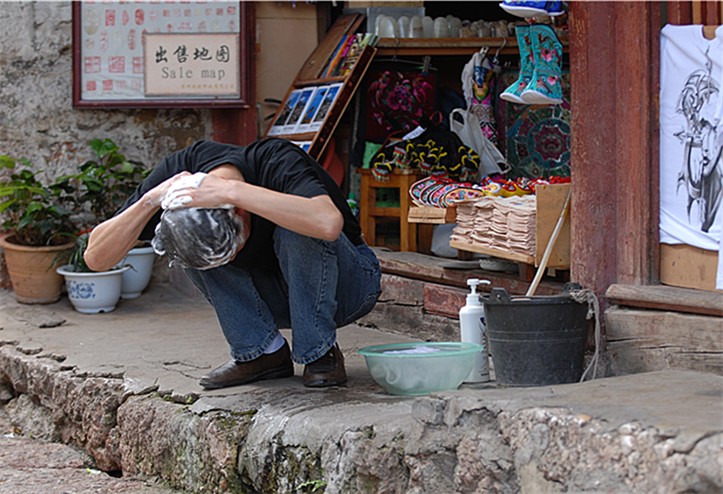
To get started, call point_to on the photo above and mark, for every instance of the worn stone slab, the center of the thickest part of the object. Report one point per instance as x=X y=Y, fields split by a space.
x=30 y=466
x=444 y=301
x=123 y=387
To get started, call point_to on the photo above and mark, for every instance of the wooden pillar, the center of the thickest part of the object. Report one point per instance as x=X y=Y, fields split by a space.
x=234 y=125
x=593 y=80
x=637 y=67
x=240 y=125
x=614 y=60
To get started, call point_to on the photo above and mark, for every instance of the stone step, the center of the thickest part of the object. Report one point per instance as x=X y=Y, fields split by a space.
x=123 y=387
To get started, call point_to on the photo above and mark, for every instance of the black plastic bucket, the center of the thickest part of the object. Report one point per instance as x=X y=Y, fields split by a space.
x=536 y=341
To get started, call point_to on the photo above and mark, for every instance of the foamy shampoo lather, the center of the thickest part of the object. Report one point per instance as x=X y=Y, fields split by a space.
x=472 y=330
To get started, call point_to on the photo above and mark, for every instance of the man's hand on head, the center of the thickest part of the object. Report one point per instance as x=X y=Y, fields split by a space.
x=214 y=192
x=155 y=196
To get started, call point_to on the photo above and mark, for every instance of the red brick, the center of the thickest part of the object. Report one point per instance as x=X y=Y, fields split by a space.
x=403 y=291
x=443 y=300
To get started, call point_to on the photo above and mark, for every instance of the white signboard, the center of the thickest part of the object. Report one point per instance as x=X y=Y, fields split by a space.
x=197 y=65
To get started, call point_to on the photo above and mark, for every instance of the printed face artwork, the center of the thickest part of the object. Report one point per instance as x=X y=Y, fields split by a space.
x=701 y=168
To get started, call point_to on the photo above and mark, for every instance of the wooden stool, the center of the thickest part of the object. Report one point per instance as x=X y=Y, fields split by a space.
x=369 y=212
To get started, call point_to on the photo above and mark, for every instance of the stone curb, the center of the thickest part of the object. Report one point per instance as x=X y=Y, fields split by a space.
x=281 y=438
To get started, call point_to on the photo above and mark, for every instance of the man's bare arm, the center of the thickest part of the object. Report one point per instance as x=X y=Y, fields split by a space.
x=316 y=217
x=110 y=241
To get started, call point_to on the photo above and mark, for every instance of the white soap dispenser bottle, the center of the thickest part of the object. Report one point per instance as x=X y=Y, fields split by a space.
x=472 y=330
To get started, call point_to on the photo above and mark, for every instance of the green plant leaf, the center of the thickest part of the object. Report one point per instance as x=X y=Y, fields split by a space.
x=34 y=207
x=7 y=162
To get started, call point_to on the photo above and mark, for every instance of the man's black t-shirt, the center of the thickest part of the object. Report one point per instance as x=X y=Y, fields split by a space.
x=274 y=164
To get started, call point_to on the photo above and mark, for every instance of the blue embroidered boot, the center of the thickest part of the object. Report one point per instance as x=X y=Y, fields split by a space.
x=530 y=8
x=514 y=92
x=545 y=88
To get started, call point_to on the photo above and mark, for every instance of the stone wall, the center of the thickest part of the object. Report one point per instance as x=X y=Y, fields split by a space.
x=37 y=118
x=36 y=111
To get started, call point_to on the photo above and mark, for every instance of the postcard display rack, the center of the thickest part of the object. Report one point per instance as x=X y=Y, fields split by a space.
x=324 y=86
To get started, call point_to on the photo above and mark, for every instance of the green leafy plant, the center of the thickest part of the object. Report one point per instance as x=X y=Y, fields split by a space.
x=99 y=188
x=34 y=213
x=104 y=182
x=312 y=486
x=76 y=259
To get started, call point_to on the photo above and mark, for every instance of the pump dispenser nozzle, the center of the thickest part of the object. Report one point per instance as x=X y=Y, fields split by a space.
x=473 y=296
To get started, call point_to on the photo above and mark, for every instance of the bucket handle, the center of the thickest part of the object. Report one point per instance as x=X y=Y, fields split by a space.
x=500 y=295
x=570 y=287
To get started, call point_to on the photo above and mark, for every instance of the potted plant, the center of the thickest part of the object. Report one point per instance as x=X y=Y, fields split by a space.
x=102 y=185
x=104 y=182
x=36 y=225
x=90 y=291
x=140 y=260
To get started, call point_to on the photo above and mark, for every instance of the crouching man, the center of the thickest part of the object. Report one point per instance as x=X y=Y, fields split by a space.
x=267 y=236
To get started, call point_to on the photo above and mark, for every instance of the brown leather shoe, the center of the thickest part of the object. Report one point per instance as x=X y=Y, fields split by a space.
x=268 y=366
x=326 y=371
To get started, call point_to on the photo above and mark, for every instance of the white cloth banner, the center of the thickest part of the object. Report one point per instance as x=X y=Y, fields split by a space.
x=691 y=139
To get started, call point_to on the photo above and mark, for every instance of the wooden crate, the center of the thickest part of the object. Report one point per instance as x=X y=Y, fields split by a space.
x=431 y=215
x=550 y=201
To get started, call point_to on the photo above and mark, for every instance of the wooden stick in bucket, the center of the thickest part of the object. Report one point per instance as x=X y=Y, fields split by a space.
x=550 y=245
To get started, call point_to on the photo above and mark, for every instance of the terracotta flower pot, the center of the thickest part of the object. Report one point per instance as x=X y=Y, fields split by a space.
x=32 y=270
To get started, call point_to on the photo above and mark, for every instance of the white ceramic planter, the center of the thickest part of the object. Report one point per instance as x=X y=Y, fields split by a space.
x=91 y=293
x=136 y=279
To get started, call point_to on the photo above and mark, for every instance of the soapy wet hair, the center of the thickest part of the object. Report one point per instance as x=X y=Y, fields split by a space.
x=199 y=238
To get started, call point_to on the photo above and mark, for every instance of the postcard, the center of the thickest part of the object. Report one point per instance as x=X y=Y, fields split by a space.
x=298 y=110
x=277 y=128
x=326 y=103
x=311 y=109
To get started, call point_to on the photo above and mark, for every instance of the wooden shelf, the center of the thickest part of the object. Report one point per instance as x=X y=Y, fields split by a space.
x=448 y=46
x=432 y=216
x=322 y=80
x=443 y=46
x=502 y=254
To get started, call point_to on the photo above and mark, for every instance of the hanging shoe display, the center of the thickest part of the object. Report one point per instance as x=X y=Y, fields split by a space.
x=545 y=87
x=528 y=9
x=513 y=93
x=479 y=77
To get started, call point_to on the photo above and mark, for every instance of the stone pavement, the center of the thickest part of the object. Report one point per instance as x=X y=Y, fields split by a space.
x=123 y=389
x=31 y=466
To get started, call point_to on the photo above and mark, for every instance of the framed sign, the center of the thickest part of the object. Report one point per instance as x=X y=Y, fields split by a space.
x=161 y=54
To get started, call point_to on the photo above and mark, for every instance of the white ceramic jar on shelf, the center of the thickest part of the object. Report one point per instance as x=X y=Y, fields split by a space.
x=416 y=30
x=441 y=28
x=387 y=27
x=427 y=27
x=403 y=25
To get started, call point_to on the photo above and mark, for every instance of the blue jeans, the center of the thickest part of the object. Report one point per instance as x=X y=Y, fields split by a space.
x=317 y=287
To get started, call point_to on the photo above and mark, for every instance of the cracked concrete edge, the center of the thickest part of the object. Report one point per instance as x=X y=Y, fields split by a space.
x=428 y=444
